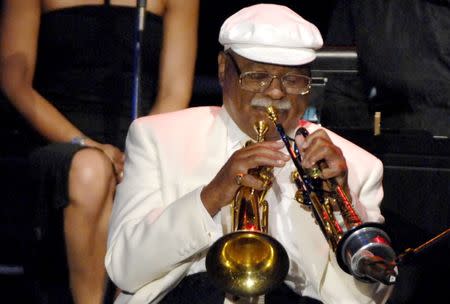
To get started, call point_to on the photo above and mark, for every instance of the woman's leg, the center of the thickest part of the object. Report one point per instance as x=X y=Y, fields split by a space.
x=86 y=218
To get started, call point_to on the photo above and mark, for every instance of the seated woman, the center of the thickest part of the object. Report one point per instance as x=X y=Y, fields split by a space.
x=67 y=67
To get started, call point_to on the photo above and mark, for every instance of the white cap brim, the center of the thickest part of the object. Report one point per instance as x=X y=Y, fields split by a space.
x=275 y=55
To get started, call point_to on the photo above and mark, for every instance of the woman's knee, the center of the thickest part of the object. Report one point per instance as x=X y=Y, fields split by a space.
x=91 y=176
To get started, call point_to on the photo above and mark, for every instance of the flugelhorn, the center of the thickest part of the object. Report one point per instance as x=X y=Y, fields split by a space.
x=248 y=262
x=362 y=249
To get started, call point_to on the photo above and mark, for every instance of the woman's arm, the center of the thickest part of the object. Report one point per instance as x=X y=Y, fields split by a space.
x=19 y=30
x=178 y=54
x=18 y=48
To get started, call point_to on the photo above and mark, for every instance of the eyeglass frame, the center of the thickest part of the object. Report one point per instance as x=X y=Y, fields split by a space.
x=263 y=88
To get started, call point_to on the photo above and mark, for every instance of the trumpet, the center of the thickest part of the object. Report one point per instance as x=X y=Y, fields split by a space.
x=362 y=249
x=248 y=262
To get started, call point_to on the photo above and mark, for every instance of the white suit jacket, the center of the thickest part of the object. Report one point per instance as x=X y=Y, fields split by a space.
x=159 y=227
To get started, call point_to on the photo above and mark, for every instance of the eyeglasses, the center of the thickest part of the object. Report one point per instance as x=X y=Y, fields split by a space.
x=258 y=82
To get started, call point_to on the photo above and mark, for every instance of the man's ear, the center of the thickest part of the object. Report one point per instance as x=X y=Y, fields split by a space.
x=221 y=61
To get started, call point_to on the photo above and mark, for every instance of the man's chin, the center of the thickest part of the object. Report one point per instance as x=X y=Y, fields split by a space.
x=282 y=115
x=261 y=114
x=272 y=136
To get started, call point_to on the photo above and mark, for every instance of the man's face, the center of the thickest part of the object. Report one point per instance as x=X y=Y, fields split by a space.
x=247 y=107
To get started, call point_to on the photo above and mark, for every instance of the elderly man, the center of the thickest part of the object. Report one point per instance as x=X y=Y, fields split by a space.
x=184 y=168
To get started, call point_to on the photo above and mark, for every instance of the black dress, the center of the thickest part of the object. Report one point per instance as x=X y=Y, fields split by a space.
x=85 y=69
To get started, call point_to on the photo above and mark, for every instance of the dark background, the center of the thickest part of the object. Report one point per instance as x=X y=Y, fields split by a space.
x=416 y=180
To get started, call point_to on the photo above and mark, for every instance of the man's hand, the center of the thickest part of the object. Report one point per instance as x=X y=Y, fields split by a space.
x=222 y=189
x=318 y=149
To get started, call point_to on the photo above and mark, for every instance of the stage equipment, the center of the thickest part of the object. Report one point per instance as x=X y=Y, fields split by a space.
x=141 y=6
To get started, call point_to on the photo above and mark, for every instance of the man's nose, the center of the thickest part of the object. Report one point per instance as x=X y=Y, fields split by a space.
x=275 y=89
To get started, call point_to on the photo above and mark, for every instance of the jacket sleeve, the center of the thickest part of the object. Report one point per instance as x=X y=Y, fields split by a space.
x=148 y=236
x=367 y=194
x=365 y=178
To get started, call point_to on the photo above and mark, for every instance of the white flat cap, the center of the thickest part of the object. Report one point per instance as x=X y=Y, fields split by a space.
x=271 y=33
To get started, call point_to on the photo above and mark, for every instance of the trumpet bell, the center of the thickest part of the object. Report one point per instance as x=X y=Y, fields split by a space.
x=247 y=263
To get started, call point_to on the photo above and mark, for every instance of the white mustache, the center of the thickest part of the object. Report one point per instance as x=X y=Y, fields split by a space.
x=264 y=102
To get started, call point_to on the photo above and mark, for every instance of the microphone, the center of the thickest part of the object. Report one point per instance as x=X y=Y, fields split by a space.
x=366 y=264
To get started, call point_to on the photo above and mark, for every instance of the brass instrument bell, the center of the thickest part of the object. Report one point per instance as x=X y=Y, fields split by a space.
x=248 y=262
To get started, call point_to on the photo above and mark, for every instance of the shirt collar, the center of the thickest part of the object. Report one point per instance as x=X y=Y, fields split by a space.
x=236 y=138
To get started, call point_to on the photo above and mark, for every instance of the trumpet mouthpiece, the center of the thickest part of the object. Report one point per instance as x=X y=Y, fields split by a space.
x=272 y=114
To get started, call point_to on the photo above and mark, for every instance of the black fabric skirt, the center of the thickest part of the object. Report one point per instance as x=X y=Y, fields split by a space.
x=46 y=266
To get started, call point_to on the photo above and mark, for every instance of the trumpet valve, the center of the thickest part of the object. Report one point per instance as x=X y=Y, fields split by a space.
x=300 y=197
x=314 y=172
x=264 y=216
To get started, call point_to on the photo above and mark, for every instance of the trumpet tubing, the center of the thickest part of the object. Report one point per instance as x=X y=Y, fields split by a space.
x=248 y=262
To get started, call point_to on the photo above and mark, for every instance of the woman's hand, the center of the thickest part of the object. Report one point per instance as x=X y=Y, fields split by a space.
x=114 y=154
x=117 y=158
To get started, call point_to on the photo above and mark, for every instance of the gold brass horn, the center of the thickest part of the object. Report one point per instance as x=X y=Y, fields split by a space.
x=248 y=262
x=362 y=249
